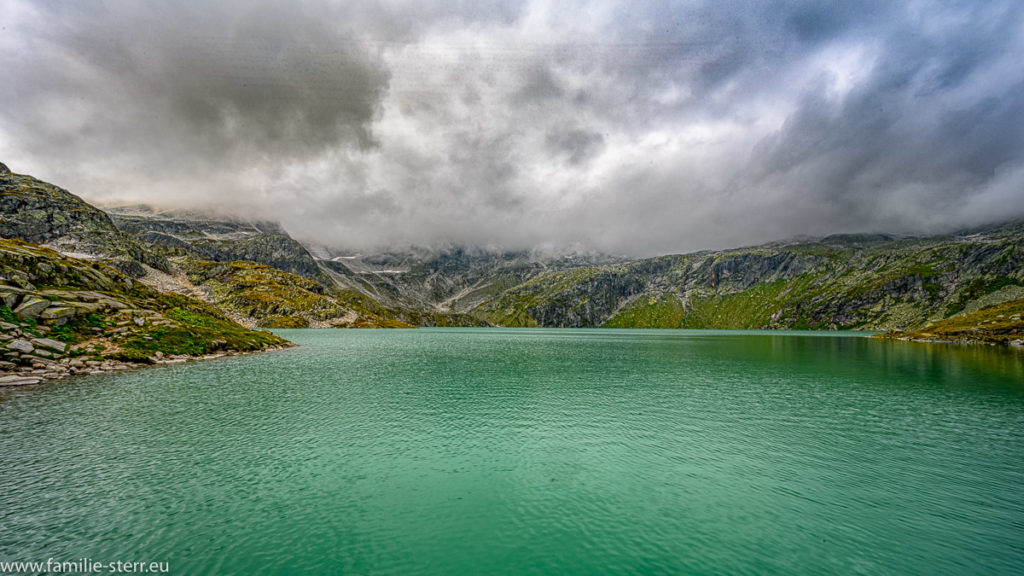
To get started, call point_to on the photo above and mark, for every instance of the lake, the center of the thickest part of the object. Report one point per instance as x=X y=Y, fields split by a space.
x=532 y=451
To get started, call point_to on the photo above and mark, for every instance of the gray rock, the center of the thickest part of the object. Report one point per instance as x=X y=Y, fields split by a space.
x=22 y=282
x=4 y=169
x=21 y=345
x=10 y=296
x=14 y=380
x=8 y=326
x=139 y=321
x=57 y=315
x=31 y=307
x=85 y=308
x=51 y=344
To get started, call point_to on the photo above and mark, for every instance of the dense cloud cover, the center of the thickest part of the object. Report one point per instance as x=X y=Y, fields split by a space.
x=630 y=127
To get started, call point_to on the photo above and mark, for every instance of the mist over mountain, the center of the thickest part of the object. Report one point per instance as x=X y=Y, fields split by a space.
x=620 y=127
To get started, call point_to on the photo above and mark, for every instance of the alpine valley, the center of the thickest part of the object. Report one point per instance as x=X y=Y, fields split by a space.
x=136 y=283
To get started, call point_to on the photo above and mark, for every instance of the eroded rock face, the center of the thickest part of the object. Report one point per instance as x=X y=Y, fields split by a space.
x=4 y=169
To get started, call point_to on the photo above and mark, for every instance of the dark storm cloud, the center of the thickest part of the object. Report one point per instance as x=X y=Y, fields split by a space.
x=637 y=127
x=210 y=85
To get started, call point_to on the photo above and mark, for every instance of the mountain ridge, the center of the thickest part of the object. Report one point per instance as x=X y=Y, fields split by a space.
x=869 y=281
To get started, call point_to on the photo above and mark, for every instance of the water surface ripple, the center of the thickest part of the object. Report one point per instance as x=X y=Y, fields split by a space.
x=443 y=451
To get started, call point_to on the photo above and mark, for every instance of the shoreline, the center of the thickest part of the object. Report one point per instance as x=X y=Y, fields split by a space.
x=41 y=369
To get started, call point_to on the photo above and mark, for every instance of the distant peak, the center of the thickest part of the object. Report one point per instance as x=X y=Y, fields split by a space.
x=4 y=169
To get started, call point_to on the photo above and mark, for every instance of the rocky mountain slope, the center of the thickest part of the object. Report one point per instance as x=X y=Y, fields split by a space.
x=848 y=282
x=440 y=287
x=203 y=237
x=263 y=296
x=45 y=214
x=61 y=315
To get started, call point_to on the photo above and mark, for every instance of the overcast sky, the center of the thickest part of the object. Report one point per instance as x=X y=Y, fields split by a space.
x=630 y=127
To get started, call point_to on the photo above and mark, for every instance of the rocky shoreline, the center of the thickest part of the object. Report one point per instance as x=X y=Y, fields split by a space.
x=28 y=359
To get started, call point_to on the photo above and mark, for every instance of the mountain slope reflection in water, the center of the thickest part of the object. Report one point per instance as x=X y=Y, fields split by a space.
x=438 y=451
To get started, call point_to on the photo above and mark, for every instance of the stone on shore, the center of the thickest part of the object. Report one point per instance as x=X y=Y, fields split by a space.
x=21 y=345
x=15 y=380
x=50 y=343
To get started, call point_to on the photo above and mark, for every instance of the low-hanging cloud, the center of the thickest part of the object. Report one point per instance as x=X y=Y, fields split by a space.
x=628 y=127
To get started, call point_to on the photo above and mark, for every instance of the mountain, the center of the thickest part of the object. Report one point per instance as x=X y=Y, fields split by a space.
x=220 y=240
x=45 y=214
x=442 y=286
x=852 y=282
x=260 y=276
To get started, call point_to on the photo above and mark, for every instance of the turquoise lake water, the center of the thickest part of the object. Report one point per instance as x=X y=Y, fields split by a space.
x=500 y=451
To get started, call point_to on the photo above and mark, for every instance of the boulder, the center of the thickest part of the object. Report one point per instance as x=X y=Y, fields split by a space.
x=50 y=343
x=85 y=308
x=21 y=345
x=57 y=315
x=10 y=296
x=31 y=306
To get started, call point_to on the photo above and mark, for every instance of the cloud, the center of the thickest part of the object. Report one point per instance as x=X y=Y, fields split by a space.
x=629 y=127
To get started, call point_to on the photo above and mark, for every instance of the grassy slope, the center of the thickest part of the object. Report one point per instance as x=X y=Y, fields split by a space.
x=274 y=298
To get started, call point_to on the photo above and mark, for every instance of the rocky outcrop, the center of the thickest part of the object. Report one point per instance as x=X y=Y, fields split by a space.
x=64 y=316
x=999 y=324
x=41 y=213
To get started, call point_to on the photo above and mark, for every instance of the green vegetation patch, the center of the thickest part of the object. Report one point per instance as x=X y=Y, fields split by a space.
x=749 y=309
x=660 y=311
